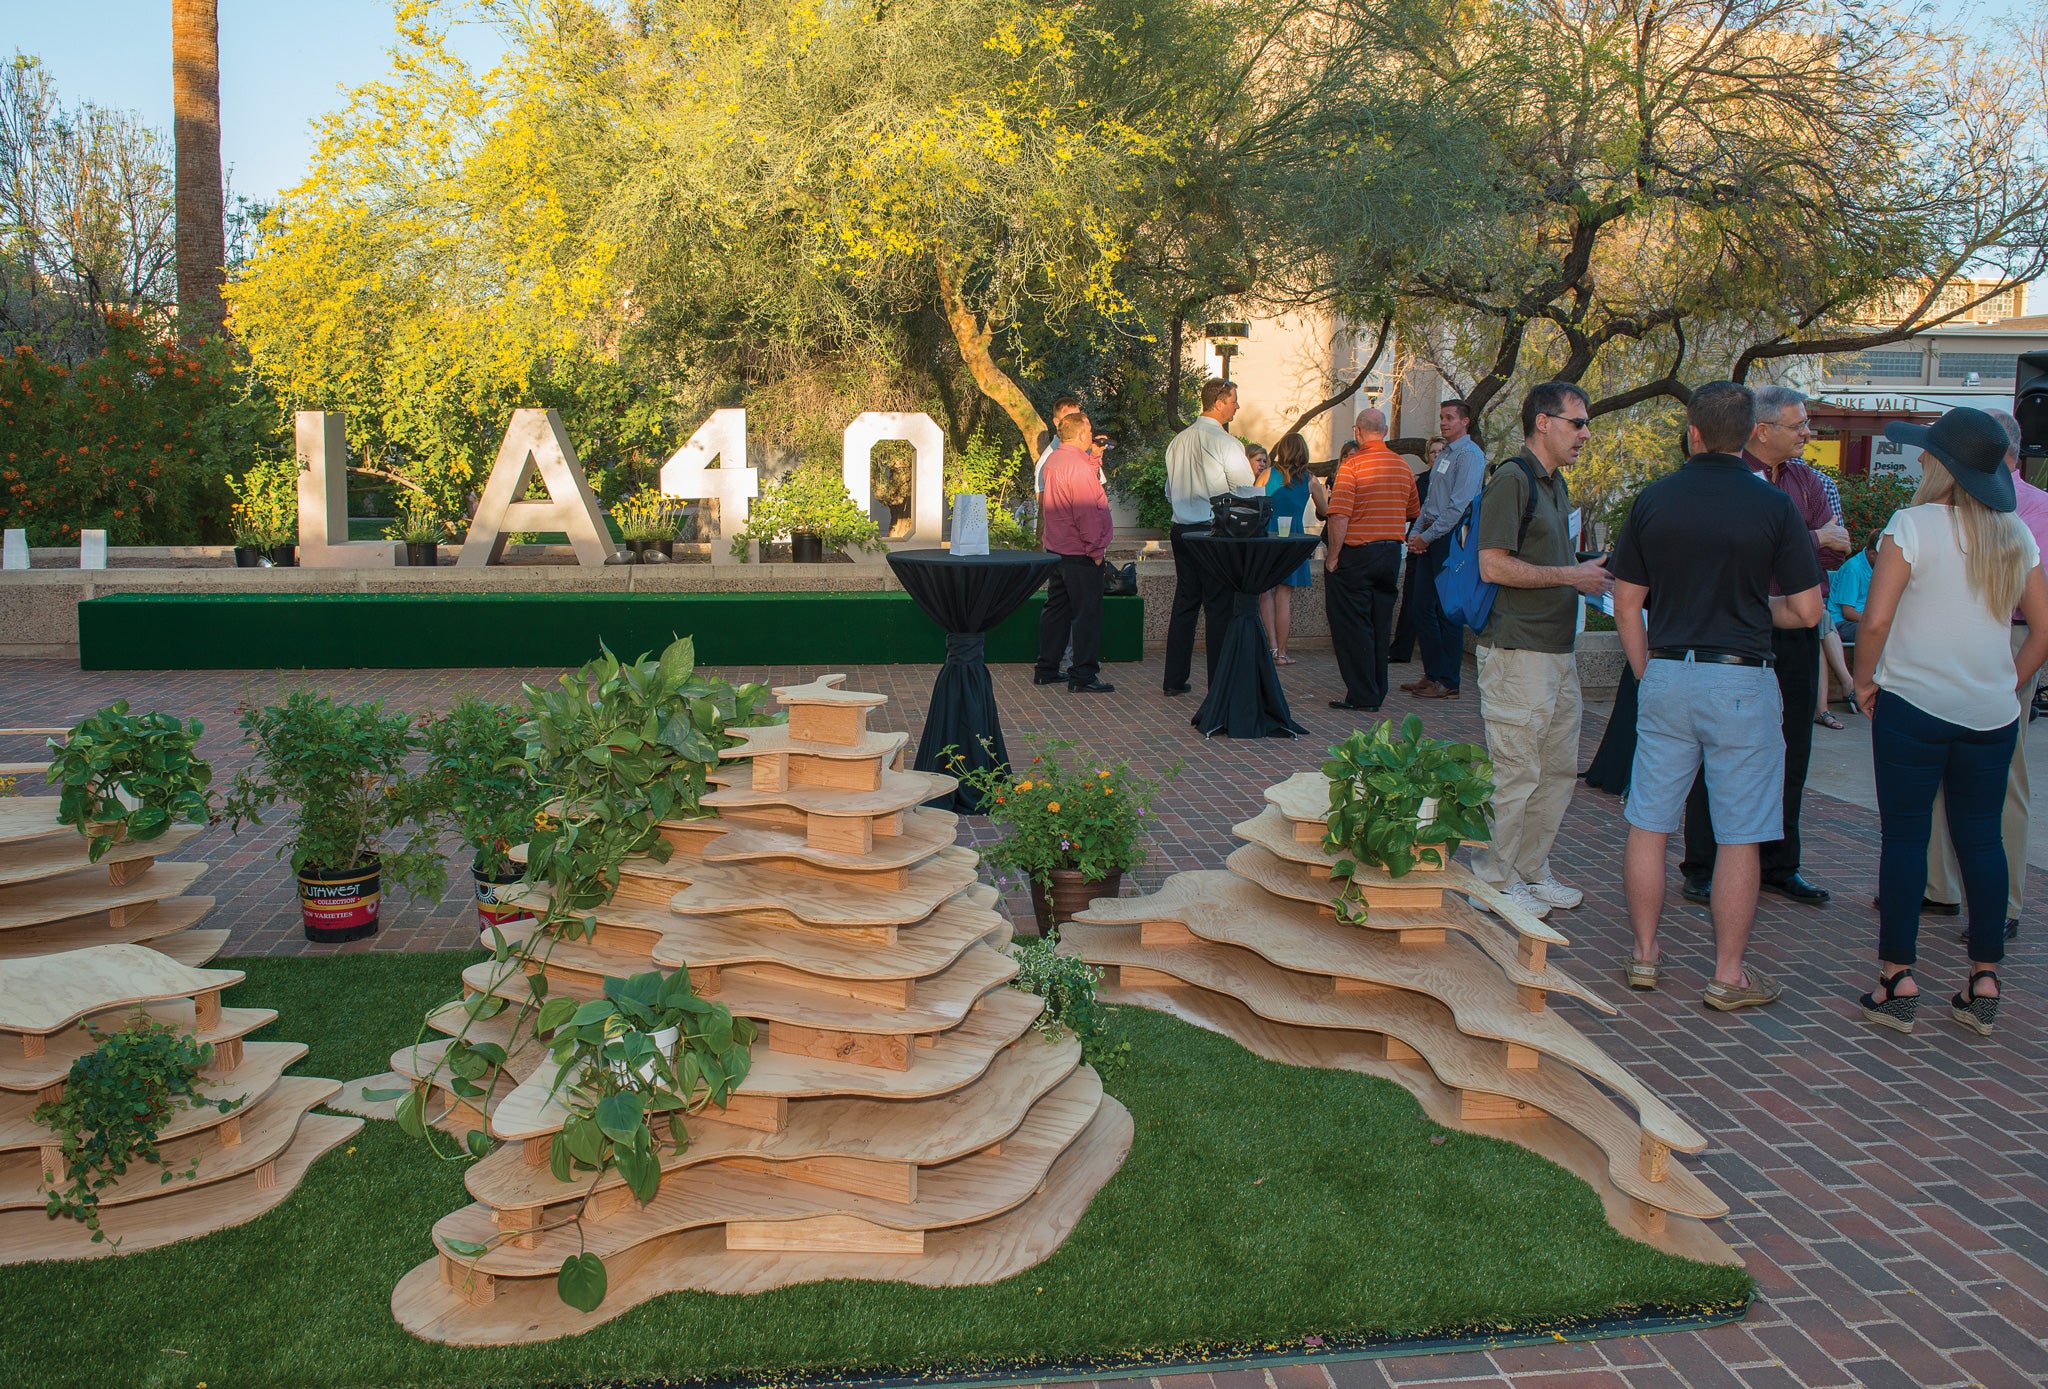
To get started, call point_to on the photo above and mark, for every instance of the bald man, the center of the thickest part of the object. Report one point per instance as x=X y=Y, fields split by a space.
x=1371 y=504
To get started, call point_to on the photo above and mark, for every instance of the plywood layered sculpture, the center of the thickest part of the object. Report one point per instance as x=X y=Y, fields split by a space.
x=902 y=1120
x=1447 y=1001
x=242 y=1162
x=52 y=898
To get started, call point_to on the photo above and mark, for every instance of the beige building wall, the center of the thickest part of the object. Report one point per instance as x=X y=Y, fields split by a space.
x=1288 y=364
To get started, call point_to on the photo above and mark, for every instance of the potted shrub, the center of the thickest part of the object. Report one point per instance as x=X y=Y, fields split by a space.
x=812 y=507
x=1071 y=830
x=1400 y=801
x=420 y=531
x=647 y=524
x=356 y=814
x=128 y=777
x=265 y=514
x=478 y=779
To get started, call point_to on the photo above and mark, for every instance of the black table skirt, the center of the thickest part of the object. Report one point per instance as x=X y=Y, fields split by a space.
x=1245 y=699
x=967 y=595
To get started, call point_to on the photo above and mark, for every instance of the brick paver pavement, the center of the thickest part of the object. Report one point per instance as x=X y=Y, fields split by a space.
x=1890 y=1194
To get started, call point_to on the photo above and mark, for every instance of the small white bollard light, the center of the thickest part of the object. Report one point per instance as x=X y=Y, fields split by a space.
x=92 y=549
x=14 y=550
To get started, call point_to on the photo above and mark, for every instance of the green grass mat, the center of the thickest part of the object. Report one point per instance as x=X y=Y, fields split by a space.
x=1261 y=1203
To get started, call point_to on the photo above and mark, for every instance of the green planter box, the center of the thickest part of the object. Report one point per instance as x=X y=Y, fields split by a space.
x=374 y=631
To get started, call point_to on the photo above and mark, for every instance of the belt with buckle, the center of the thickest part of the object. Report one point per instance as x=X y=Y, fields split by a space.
x=1708 y=658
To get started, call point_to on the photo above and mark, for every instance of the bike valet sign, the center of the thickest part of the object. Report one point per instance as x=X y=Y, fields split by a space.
x=710 y=466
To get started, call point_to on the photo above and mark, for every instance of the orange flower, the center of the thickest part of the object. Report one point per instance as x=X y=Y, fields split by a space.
x=1054 y=807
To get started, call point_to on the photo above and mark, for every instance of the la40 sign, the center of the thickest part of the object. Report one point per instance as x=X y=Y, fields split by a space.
x=710 y=466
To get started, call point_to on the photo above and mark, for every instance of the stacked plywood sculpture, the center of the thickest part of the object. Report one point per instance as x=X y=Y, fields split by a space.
x=249 y=1160
x=902 y=1120
x=1450 y=1002
x=52 y=898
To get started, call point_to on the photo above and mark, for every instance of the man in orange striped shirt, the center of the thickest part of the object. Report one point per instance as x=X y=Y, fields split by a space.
x=1371 y=504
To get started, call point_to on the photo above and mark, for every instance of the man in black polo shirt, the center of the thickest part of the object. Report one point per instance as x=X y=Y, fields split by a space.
x=1703 y=548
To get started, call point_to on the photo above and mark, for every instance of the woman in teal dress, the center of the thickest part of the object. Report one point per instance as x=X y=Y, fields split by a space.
x=1289 y=485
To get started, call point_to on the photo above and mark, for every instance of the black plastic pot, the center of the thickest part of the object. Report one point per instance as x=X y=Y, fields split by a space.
x=667 y=548
x=338 y=904
x=422 y=554
x=806 y=548
x=639 y=549
x=250 y=556
x=490 y=910
x=285 y=556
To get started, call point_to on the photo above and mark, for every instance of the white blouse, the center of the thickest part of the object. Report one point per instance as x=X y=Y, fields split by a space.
x=1947 y=654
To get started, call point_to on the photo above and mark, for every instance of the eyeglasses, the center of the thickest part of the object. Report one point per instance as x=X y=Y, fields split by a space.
x=1575 y=421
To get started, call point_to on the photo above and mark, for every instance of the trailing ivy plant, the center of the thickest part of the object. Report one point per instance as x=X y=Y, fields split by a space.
x=129 y=777
x=613 y=750
x=1067 y=984
x=1378 y=783
x=116 y=1099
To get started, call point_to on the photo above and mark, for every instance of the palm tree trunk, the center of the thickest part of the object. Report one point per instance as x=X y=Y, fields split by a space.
x=202 y=202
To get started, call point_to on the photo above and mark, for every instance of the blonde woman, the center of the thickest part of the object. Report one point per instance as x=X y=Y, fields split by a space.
x=1936 y=673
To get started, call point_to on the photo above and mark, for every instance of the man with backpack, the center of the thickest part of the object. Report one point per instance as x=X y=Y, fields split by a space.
x=1528 y=673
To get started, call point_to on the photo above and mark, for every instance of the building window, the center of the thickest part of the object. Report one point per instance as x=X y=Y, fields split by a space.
x=1989 y=366
x=1875 y=366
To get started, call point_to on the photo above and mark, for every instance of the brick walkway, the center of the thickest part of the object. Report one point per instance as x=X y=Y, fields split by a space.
x=1889 y=1193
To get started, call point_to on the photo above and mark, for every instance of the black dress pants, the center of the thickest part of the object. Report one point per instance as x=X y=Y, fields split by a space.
x=1073 y=612
x=1798 y=672
x=1194 y=594
x=1403 y=650
x=1358 y=596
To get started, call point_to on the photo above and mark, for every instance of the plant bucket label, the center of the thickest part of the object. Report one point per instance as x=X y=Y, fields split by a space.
x=339 y=904
x=492 y=908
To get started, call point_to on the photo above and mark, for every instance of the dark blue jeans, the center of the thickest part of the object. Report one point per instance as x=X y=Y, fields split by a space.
x=1442 y=640
x=1915 y=753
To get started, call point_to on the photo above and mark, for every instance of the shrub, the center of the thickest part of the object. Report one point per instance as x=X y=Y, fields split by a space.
x=1868 y=503
x=1140 y=477
x=813 y=499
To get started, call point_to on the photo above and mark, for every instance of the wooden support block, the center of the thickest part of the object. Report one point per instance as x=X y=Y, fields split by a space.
x=822 y=1234
x=535 y=1150
x=1357 y=986
x=1309 y=831
x=837 y=773
x=1398 y=1050
x=206 y=1009
x=230 y=1130
x=1132 y=977
x=1521 y=1058
x=992 y=1150
x=888 y=993
x=525 y=1220
x=1530 y=951
x=1650 y=1217
x=1421 y=935
x=882 y=1050
x=266 y=1175
x=32 y=1045
x=889 y=826
x=1473 y=1104
x=888 y=1181
x=1164 y=933
x=1531 y=999
x=764 y=1114
x=771 y=771
x=52 y=1159
x=690 y=839
x=117 y=918
x=477 y=1289
x=128 y=872
x=927 y=1039
x=50 y=1094
x=840 y=833
x=610 y=1200
x=226 y=1055
x=842 y=725
x=1655 y=1159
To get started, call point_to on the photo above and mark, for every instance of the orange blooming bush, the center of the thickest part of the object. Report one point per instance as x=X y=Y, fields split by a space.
x=1065 y=809
x=132 y=442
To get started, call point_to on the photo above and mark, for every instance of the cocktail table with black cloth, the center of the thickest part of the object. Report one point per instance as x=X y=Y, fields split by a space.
x=967 y=595
x=1245 y=699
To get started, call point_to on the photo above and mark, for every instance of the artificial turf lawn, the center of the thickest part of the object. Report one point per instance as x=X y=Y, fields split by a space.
x=1261 y=1203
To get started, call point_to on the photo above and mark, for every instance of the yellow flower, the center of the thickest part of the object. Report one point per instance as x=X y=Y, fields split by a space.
x=1109 y=790
x=1099 y=772
x=1023 y=786
x=1054 y=807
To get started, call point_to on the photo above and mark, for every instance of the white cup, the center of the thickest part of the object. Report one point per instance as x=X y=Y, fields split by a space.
x=1286 y=524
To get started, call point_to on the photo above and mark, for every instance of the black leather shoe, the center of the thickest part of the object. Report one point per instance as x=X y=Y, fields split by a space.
x=1930 y=907
x=1039 y=677
x=1171 y=690
x=1697 y=889
x=1090 y=687
x=1356 y=708
x=2012 y=930
x=1796 y=889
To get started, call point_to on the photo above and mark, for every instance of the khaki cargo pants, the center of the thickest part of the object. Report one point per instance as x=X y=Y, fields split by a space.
x=1530 y=702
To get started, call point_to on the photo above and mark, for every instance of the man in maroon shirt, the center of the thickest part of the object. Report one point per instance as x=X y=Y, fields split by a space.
x=1077 y=529
x=1775 y=456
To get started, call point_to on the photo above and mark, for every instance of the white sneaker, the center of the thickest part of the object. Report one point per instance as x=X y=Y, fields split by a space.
x=1553 y=893
x=1519 y=894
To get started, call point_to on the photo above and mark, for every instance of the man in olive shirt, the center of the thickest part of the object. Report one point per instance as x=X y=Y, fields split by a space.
x=1528 y=674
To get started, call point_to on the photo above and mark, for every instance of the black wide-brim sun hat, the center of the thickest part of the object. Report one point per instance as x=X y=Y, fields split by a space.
x=1972 y=446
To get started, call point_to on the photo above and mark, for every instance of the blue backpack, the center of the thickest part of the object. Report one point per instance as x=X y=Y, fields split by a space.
x=1464 y=596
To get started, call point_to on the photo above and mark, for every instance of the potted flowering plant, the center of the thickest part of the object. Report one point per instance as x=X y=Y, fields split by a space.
x=420 y=531
x=266 y=512
x=1074 y=825
x=813 y=508
x=477 y=777
x=647 y=523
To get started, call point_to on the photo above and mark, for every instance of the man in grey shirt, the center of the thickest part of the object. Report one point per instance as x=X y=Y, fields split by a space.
x=1454 y=482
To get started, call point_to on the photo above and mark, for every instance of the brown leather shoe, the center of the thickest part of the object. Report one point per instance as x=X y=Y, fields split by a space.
x=1413 y=685
x=1437 y=692
x=1423 y=690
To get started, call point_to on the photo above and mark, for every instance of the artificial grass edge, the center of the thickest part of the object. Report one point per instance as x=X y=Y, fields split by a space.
x=1211 y=1244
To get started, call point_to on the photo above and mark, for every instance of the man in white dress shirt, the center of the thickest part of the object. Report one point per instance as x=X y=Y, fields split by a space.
x=1203 y=461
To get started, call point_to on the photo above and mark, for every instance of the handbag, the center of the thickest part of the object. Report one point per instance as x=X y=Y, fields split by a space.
x=1238 y=517
x=1119 y=581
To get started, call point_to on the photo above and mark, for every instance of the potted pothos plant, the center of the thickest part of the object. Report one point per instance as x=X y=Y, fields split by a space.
x=129 y=777
x=477 y=775
x=1399 y=800
x=812 y=507
x=356 y=814
x=1073 y=825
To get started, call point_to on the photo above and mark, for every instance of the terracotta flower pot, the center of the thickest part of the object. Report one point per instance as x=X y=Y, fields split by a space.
x=1070 y=893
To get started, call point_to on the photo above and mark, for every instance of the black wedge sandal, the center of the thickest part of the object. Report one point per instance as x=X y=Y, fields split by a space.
x=1892 y=1009
x=1974 y=1010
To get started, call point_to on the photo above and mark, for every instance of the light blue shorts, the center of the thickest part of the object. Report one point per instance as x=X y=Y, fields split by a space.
x=1729 y=718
